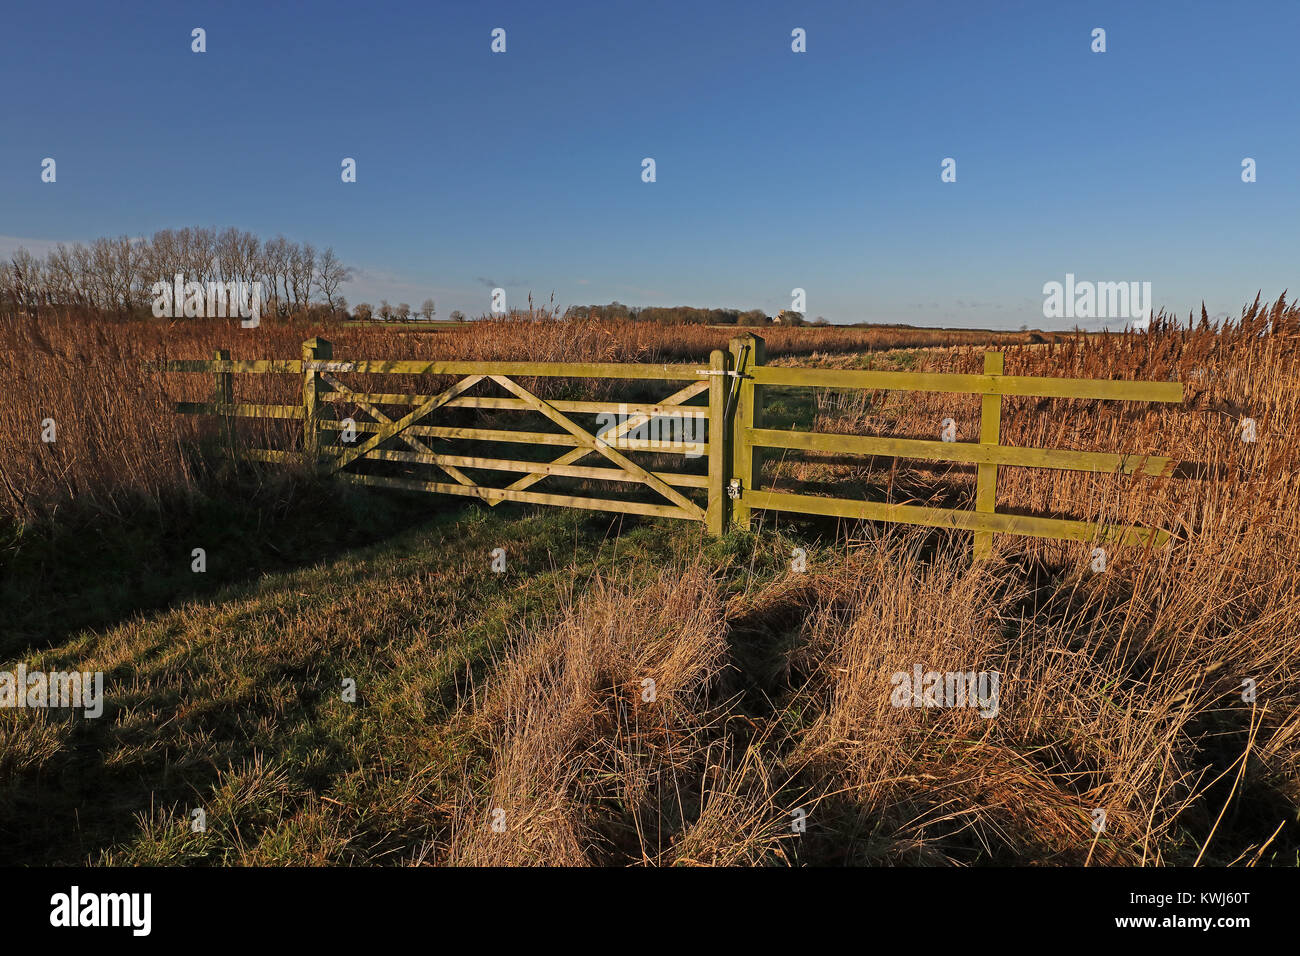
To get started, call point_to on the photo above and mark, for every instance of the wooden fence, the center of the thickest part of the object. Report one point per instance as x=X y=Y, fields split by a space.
x=731 y=396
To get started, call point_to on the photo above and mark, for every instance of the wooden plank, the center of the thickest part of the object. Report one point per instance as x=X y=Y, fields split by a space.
x=451 y=470
x=602 y=446
x=244 y=411
x=264 y=454
x=313 y=350
x=223 y=383
x=238 y=365
x=481 y=434
x=543 y=468
x=717 y=512
x=980 y=384
x=516 y=404
x=1029 y=526
x=768 y=375
x=626 y=370
x=748 y=354
x=986 y=476
x=392 y=428
x=963 y=452
x=527 y=497
x=563 y=439
x=617 y=432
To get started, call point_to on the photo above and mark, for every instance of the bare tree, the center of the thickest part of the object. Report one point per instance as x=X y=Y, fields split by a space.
x=330 y=274
x=385 y=310
x=364 y=311
x=427 y=310
x=198 y=253
x=403 y=311
x=275 y=266
x=302 y=270
x=61 y=269
x=118 y=273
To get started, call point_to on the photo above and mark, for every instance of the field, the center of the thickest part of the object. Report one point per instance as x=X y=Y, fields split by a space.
x=1149 y=714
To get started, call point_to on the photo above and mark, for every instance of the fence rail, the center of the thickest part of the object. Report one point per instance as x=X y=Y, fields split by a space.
x=735 y=441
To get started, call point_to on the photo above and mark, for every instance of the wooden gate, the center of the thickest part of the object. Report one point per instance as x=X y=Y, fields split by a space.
x=729 y=407
x=345 y=447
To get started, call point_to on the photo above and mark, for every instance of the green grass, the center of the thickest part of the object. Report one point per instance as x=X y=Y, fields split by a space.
x=233 y=703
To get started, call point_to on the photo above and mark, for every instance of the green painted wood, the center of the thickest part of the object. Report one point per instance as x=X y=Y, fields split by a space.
x=962 y=452
x=540 y=468
x=528 y=497
x=735 y=438
x=392 y=428
x=718 y=512
x=963 y=520
x=522 y=369
x=636 y=420
x=313 y=350
x=748 y=353
x=481 y=434
x=519 y=405
x=986 y=475
x=223 y=383
x=242 y=411
x=602 y=446
x=239 y=365
x=980 y=384
x=531 y=438
x=264 y=454
x=451 y=470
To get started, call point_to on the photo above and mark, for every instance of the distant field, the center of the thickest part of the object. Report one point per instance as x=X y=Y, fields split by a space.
x=524 y=691
x=432 y=325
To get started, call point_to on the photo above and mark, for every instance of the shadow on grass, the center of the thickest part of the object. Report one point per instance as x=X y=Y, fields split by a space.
x=88 y=569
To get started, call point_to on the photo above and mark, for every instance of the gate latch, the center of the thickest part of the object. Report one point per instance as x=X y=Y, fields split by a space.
x=733 y=489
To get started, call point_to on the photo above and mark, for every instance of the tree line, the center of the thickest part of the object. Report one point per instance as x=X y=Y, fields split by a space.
x=685 y=315
x=117 y=274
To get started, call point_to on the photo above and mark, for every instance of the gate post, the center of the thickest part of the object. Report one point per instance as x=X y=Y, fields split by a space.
x=986 y=476
x=313 y=350
x=224 y=394
x=747 y=351
x=717 y=514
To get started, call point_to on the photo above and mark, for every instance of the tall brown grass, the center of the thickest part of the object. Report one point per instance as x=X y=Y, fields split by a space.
x=1124 y=692
x=1147 y=715
x=118 y=439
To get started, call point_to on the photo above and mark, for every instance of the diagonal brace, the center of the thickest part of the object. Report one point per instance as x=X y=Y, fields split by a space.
x=600 y=445
x=392 y=428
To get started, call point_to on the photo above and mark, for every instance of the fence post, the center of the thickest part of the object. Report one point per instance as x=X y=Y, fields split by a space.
x=986 y=482
x=747 y=351
x=224 y=394
x=718 y=512
x=313 y=350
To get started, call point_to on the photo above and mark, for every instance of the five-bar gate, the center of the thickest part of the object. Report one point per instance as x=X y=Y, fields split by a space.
x=723 y=405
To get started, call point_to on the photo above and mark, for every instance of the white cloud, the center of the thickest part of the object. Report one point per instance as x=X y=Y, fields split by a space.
x=37 y=247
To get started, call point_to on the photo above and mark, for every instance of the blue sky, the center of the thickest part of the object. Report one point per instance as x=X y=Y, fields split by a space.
x=775 y=170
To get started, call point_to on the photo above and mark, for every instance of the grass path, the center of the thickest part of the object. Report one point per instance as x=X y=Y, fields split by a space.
x=235 y=704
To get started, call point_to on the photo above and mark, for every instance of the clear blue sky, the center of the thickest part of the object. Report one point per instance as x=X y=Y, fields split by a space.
x=775 y=170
